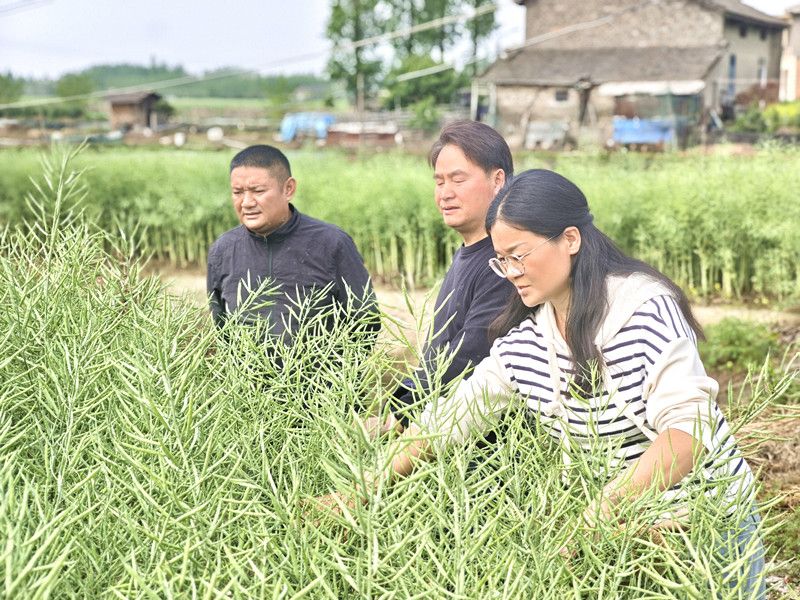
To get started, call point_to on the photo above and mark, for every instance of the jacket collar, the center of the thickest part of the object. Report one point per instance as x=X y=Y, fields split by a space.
x=283 y=231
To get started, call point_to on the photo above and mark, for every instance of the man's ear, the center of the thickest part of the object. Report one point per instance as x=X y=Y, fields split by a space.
x=573 y=237
x=289 y=187
x=498 y=180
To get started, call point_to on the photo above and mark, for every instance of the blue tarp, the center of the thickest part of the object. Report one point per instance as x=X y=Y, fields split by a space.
x=643 y=131
x=310 y=124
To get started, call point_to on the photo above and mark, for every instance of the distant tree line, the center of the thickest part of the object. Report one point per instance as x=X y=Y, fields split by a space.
x=276 y=90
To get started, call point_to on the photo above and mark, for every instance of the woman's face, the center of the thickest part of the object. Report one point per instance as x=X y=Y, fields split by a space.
x=546 y=269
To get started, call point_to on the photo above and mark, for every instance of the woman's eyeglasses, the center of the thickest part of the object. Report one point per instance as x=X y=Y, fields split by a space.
x=512 y=264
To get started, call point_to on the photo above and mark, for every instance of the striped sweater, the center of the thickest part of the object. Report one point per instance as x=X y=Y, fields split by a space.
x=653 y=380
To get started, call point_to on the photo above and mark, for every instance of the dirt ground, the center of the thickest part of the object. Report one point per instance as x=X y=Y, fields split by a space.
x=192 y=284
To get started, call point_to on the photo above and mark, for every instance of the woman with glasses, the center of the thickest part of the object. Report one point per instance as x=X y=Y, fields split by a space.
x=600 y=346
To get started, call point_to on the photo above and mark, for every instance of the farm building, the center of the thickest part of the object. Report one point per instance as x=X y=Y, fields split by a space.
x=790 y=61
x=675 y=63
x=135 y=110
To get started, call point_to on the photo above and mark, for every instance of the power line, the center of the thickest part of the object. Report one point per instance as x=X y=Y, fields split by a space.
x=179 y=81
x=21 y=5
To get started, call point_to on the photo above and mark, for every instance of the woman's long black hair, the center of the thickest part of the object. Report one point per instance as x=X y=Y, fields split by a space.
x=545 y=203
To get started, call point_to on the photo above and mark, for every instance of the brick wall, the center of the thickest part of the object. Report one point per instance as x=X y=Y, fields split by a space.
x=518 y=105
x=667 y=23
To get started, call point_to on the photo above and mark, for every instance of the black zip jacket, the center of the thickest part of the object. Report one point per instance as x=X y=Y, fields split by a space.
x=302 y=258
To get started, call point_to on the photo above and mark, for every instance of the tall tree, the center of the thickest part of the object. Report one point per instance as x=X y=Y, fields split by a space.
x=74 y=85
x=440 y=87
x=444 y=36
x=352 y=21
x=478 y=29
x=403 y=14
x=10 y=88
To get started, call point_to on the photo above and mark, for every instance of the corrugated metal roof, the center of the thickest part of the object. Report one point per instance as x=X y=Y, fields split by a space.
x=537 y=66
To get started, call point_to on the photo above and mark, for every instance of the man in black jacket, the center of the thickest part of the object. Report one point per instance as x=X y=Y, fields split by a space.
x=294 y=260
x=471 y=163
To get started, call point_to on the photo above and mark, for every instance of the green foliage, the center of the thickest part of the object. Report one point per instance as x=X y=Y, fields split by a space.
x=164 y=108
x=440 y=87
x=751 y=121
x=10 y=88
x=479 y=29
x=71 y=85
x=352 y=21
x=786 y=540
x=439 y=39
x=737 y=345
x=719 y=226
x=426 y=116
x=146 y=454
x=785 y=115
x=111 y=76
x=226 y=83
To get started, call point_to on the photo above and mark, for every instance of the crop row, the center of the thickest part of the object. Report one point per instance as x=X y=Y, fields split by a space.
x=146 y=455
x=718 y=225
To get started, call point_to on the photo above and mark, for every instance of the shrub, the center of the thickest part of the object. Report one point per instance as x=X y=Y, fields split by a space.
x=736 y=344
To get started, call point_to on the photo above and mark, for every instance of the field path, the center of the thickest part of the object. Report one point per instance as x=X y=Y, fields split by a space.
x=192 y=284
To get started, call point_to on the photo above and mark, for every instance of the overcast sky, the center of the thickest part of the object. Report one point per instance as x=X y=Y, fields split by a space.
x=51 y=37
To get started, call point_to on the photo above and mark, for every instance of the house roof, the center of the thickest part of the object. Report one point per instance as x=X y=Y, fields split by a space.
x=131 y=97
x=538 y=66
x=734 y=8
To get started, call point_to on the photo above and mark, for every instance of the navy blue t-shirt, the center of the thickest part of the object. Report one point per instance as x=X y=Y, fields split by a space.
x=471 y=297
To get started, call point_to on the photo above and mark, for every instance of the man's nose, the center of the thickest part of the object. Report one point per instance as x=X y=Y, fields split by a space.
x=445 y=190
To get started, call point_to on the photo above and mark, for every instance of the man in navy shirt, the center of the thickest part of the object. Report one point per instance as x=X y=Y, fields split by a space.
x=291 y=258
x=471 y=163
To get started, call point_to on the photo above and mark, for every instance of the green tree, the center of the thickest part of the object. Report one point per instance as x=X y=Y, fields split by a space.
x=438 y=87
x=10 y=89
x=351 y=21
x=478 y=29
x=443 y=37
x=404 y=14
x=74 y=85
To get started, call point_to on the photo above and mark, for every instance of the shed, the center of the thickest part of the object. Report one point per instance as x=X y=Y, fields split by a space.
x=134 y=110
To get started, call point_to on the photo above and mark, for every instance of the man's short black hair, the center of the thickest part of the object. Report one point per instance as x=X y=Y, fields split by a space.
x=480 y=143
x=264 y=157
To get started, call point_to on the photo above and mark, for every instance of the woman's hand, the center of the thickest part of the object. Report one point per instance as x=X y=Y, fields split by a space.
x=374 y=427
x=336 y=503
x=603 y=508
x=332 y=504
x=600 y=509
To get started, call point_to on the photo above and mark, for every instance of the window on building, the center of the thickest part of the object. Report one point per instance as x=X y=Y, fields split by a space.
x=763 y=34
x=562 y=95
x=762 y=73
x=731 y=89
x=742 y=30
